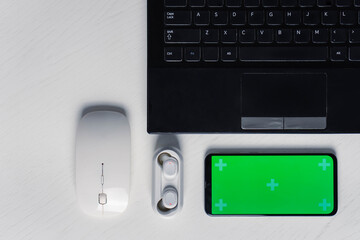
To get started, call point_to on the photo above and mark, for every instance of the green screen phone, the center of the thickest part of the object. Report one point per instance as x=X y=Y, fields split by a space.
x=271 y=184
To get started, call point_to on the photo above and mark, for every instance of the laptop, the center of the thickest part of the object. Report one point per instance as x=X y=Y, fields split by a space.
x=253 y=66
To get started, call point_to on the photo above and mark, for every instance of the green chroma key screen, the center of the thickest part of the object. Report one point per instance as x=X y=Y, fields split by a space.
x=271 y=185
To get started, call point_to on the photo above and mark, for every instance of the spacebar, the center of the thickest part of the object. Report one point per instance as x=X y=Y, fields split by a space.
x=283 y=54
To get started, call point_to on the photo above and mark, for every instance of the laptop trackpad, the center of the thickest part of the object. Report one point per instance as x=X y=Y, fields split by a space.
x=285 y=96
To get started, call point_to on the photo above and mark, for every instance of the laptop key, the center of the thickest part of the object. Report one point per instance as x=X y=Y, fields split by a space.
x=182 y=36
x=348 y=17
x=302 y=35
x=325 y=3
x=219 y=18
x=265 y=36
x=228 y=54
x=329 y=17
x=288 y=3
x=344 y=3
x=172 y=18
x=270 y=3
x=211 y=54
x=201 y=18
x=192 y=54
x=354 y=35
x=338 y=35
x=283 y=54
x=274 y=17
x=210 y=35
x=338 y=54
x=283 y=36
x=175 y=3
x=292 y=17
x=307 y=3
x=197 y=3
x=354 y=54
x=228 y=36
x=357 y=3
x=215 y=3
x=246 y=35
x=173 y=54
x=233 y=3
x=256 y=17
x=320 y=35
x=238 y=17
x=251 y=3
x=311 y=17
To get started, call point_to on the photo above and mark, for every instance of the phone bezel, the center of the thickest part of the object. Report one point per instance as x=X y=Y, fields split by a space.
x=208 y=196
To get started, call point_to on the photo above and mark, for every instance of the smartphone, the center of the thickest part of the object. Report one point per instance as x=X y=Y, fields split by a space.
x=271 y=184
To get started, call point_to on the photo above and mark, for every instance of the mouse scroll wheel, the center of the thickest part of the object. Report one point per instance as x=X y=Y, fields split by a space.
x=102 y=198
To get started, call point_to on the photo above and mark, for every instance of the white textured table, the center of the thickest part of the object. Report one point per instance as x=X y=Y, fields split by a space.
x=60 y=56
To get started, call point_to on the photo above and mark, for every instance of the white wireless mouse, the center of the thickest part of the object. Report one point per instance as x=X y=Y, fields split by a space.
x=103 y=163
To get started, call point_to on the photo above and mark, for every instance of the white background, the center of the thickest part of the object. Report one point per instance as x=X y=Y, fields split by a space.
x=58 y=57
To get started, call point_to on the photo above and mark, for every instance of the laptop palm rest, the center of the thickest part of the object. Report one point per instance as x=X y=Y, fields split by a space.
x=283 y=101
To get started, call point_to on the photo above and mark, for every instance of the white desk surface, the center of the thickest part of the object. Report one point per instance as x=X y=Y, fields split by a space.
x=59 y=56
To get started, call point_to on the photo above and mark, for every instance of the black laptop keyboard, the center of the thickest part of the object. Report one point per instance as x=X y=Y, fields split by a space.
x=261 y=30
